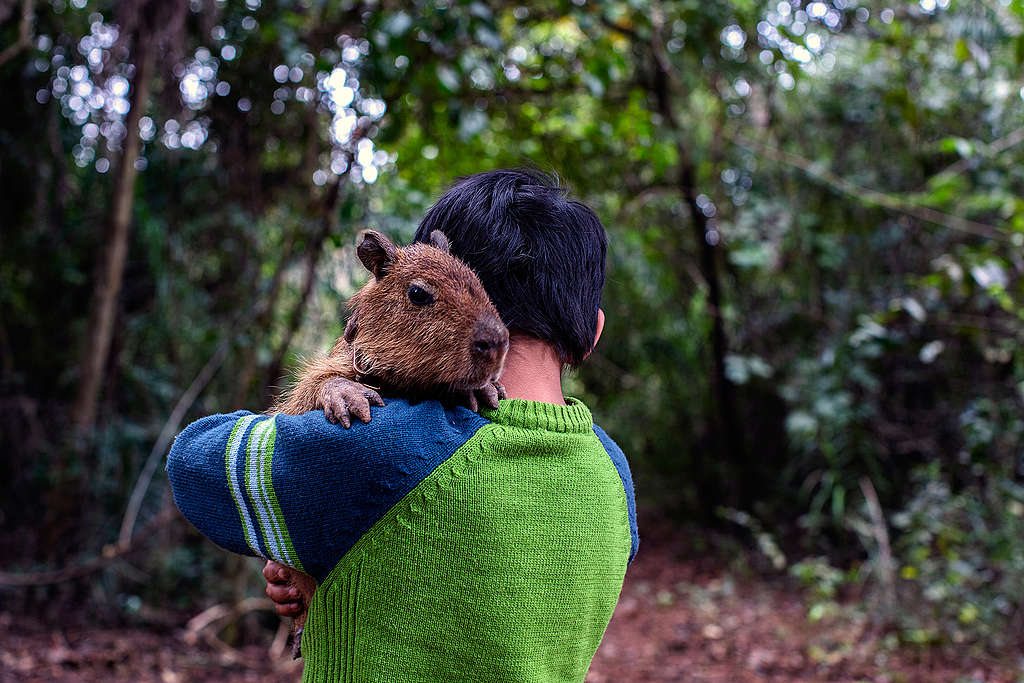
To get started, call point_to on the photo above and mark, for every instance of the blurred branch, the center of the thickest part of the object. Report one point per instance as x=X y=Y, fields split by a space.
x=990 y=150
x=24 y=33
x=886 y=568
x=109 y=554
x=871 y=197
x=640 y=198
x=170 y=428
x=978 y=324
x=199 y=623
x=328 y=223
x=199 y=628
x=279 y=645
x=602 y=361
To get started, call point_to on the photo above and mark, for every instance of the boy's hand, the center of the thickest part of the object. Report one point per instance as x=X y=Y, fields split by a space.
x=290 y=590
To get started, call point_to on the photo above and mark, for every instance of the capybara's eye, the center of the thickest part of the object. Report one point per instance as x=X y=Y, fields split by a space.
x=419 y=296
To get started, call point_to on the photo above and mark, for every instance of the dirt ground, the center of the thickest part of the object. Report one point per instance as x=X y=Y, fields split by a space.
x=680 y=618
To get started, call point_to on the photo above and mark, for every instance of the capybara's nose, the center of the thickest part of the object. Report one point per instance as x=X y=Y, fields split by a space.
x=490 y=338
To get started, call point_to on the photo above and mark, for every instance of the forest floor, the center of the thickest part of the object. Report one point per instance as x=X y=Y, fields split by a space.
x=680 y=618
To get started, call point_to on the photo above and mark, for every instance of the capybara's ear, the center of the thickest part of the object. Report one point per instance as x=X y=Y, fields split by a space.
x=377 y=253
x=439 y=240
x=351 y=328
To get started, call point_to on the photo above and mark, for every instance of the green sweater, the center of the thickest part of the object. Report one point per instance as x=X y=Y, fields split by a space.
x=447 y=546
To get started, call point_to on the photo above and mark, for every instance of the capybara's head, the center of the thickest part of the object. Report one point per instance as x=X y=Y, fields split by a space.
x=423 y=322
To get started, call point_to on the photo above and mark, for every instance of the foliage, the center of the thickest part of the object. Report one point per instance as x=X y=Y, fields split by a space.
x=961 y=558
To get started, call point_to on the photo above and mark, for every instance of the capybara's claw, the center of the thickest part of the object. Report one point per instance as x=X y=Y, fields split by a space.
x=342 y=398
x=360 y=407
x=336 y=411
x=490 y=394
x=373 y=397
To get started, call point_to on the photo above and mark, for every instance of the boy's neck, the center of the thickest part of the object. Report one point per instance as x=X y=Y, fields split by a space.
x=533 y=371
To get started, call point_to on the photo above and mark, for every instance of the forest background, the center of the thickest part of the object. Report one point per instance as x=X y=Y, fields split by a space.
x=816 y=221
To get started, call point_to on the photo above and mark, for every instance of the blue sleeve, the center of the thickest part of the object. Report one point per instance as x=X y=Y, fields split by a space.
x=619 y=460
x=196 y=468
x=300 y=490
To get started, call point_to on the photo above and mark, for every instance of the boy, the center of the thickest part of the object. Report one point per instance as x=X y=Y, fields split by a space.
x=447 y=546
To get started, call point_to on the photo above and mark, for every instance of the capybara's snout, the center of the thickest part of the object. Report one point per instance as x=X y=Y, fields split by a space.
x=490 y=339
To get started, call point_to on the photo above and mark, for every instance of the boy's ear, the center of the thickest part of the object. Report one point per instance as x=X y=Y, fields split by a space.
x=377 y=253
x=351 y=328
x=597 y=334
x=439 y=240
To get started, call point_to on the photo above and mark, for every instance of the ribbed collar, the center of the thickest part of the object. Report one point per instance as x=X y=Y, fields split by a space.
x=574 y=417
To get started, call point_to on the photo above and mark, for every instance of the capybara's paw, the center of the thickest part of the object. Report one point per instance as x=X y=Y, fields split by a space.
x=486 y=395
x=490 y=393
x=342 y=398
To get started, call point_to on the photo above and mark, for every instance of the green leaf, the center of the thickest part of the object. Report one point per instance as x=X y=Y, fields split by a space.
x=961 y=51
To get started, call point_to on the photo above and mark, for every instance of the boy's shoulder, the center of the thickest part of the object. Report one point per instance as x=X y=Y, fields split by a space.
x=400 y=427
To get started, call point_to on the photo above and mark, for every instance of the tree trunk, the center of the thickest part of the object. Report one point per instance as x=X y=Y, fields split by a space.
x=726 y=437
x=110 y=271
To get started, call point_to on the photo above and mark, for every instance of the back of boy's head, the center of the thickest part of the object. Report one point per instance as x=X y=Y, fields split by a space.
x=539 y=254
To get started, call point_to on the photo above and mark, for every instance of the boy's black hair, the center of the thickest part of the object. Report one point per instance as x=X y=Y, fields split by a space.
x=539 y=254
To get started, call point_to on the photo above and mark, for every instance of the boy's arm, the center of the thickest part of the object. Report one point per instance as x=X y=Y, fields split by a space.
x=221 y=473
x=299 y=490
x=619 y=460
